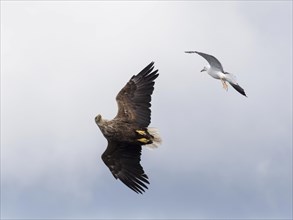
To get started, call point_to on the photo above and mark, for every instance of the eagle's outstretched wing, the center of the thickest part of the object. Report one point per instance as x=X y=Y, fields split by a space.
x=123 y=160
x=135 y=97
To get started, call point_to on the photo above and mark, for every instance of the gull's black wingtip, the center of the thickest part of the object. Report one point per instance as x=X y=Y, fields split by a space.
x=190 y=51
x=239 y=89
x=242 y=92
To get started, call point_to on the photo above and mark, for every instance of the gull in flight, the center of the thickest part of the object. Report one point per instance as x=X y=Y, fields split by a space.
x=215 y=69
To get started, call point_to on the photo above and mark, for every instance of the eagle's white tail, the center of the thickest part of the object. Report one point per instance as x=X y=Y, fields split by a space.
x=156 y=138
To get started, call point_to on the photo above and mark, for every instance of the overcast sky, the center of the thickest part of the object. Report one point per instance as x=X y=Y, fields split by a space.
x=223 y=155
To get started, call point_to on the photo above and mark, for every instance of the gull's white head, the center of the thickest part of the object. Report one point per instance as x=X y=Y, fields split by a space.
x=206 y=68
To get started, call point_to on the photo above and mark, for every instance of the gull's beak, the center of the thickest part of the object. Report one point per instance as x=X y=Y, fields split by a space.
x=203 y=70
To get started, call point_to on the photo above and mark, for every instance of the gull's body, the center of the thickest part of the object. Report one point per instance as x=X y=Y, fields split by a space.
x=215 y=73
x=215 y=70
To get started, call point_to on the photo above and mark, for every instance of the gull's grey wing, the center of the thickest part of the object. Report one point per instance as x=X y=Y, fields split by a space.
x=213 y=61
x=134 y=99
x=123 y=160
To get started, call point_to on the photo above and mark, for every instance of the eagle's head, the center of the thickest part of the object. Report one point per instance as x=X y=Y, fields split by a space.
x=98 y=119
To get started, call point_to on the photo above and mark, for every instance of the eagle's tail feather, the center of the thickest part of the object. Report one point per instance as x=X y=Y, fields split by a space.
x=156 y=139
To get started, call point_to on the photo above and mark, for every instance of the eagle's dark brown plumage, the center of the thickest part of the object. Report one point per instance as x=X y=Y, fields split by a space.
x=128 y=131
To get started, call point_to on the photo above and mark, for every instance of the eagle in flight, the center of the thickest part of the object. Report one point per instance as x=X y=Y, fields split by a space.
x=129 y=131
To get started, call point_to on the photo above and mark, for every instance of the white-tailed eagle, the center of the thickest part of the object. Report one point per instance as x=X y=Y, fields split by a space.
x=129 y=130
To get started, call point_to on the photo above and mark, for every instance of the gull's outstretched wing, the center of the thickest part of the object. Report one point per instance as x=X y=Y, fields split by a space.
x=238 y=88
x=233 y=82
x=134 y=100
x=123 y=160
x=213 y=61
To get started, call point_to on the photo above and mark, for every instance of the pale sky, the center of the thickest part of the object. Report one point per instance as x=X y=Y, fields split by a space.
x=223 y=155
